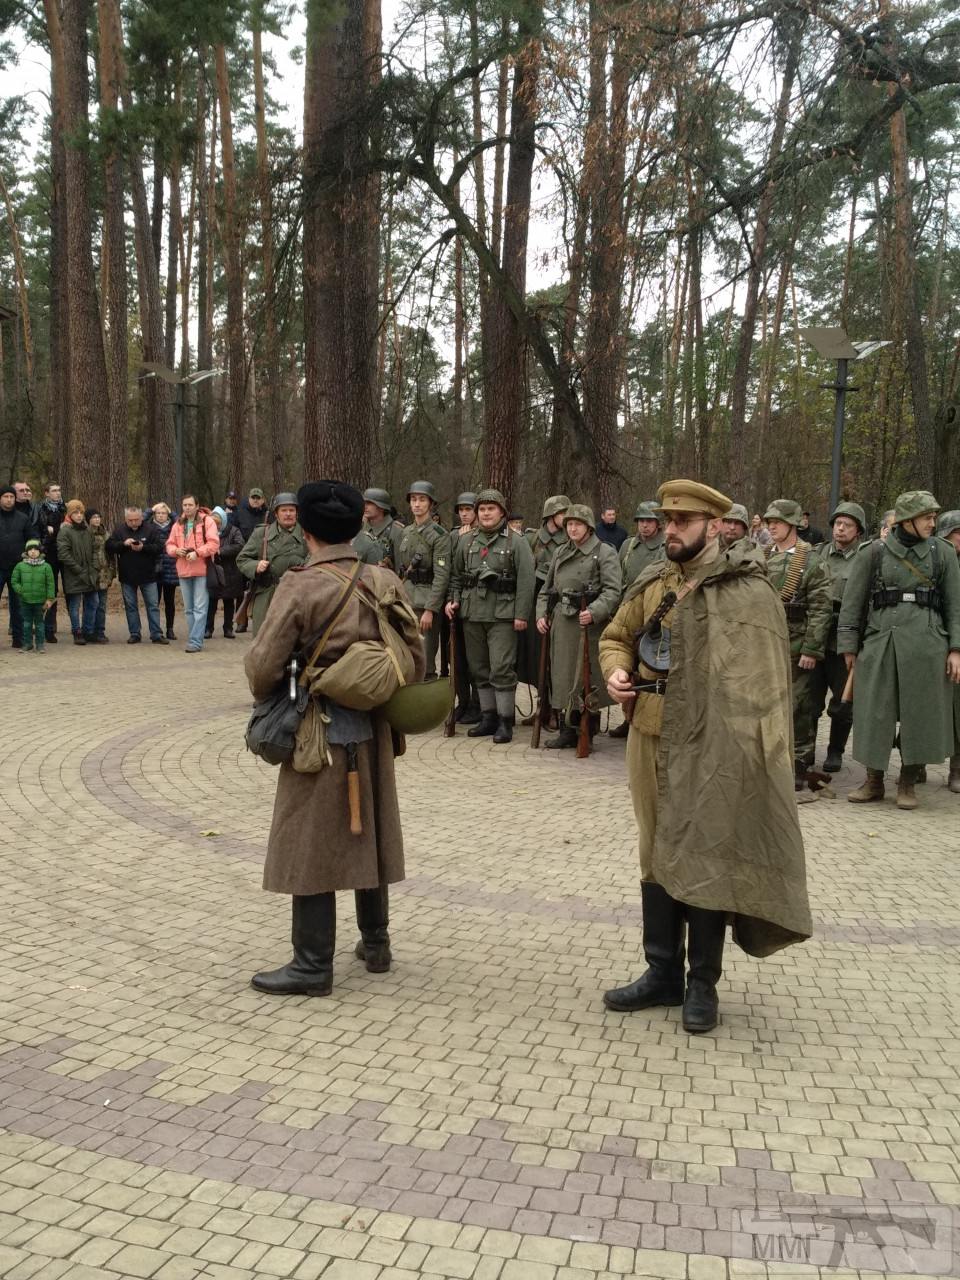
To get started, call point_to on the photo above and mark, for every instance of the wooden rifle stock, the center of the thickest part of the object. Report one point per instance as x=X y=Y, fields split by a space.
x=583 y=737
x=541 y=690
x=450 y=724
x=847 y=695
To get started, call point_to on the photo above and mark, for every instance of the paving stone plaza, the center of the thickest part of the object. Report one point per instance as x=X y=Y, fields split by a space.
x=476 y=1112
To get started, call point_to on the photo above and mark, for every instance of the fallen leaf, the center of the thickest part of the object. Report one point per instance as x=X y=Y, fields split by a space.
x=209 y=833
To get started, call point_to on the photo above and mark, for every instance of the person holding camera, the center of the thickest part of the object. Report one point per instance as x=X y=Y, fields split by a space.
x=137 y=548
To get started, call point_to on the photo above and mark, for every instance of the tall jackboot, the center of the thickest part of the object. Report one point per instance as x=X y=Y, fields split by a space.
x=506 y=714
x=953 y=781
x=662 y=984
x=373 y=917
x=906 y=783
x=839 y=733
x=488 y=723
x=314 y=935
x=871 y=788
x=705 y=933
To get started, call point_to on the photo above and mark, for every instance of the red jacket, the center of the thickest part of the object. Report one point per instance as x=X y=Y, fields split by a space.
x=203 y=539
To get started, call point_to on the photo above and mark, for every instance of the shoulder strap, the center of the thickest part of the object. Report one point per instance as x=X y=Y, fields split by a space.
x=347 y=590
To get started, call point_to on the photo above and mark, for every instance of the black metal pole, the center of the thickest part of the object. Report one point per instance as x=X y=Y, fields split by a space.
x=178 y=442
x=840 y=388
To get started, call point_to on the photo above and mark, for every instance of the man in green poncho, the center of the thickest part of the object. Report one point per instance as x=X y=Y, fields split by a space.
x=705 y=676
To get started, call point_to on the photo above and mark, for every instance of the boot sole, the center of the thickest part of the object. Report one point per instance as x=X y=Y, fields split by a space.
x=291 y=991
x=699 y=1030
x=638 y=1008
x=864 y=799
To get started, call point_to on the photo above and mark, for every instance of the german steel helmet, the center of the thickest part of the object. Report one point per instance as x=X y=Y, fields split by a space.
x=647 y=511
x=738 y=512
x=492 y=495
x=379 y=497
x=284 y=500
x=784 y=509
x=853 y=510
x=913 y=503
x=948 y=522
x=466 y=499
x=553 y=506
x=418 y=708
x=421 y=486
x=580 y=511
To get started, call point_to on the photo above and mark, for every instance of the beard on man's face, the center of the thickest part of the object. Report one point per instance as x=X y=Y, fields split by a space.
x=680 y=554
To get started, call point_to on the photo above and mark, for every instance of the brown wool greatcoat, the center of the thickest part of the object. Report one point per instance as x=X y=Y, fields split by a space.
x=310 y=849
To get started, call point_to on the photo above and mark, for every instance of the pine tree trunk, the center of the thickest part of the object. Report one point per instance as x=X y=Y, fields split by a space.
x=504 y=392
x=230 y=233
x=88 y=372
x=113 y=257
x=340 y=242
x=271 y=363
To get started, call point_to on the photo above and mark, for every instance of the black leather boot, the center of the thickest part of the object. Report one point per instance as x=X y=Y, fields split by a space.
x=486 y=726
x=705 y=933
x=662 y=984
x=314 y=935
x=566 y=738
x=506 y=715
x=373 y=917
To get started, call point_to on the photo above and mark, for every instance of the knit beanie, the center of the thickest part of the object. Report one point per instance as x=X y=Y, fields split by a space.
x=73 y=506
x=330 y=511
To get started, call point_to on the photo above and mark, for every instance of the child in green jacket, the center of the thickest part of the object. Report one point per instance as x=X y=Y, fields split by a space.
x=32 y=580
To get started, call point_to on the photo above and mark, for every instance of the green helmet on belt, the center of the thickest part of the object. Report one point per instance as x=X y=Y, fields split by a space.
x=647 y=511
x=913 y=503
x=948 y=522
x=553 y=506
x=854 y=511
x=784 y=509
x=580 y=511
x=379 y=497
x=418 y=708
x=421 y=486
x=492 y=495
x=739 y=512
x=467 y=500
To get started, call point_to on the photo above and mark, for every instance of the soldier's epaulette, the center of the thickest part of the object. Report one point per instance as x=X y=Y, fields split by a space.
x=647 y=575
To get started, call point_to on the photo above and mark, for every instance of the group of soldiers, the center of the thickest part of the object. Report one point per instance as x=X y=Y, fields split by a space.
x=498 y=606
x=531 y=607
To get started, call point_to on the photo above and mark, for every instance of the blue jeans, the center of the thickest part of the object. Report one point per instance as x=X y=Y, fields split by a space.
x=195 y=601
x=13 y=600
x=151 y=598
x=86 y=623
x=100 y=624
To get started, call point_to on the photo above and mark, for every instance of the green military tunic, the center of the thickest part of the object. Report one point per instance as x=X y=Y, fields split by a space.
x=590 y=572
x=901 y=650
x=638 y=553
x=544 y=546
x=285 y=548
x=493 y=583
x=830 y=676
x=389 y=534
x=424 y=566
x=368 y=549
x=809 y=611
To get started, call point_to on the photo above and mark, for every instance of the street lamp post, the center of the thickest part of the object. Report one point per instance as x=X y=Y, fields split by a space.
x=155 y=370
x=833 y=344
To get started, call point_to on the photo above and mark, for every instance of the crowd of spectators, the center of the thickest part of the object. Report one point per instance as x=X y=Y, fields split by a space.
x=51 y=548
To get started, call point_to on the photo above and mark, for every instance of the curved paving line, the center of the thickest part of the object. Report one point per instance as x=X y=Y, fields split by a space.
x=609 y=1196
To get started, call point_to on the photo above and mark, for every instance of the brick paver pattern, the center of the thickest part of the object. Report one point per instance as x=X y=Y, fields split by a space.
x=476 y=1112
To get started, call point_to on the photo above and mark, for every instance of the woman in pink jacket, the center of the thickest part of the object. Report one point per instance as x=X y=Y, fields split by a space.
x=193 y=541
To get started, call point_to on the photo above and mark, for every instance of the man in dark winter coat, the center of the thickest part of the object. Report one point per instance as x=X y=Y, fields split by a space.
x=15 y=530
x=615 y=535
x=138 y=546
x=251 y=513
x=26 y=504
